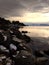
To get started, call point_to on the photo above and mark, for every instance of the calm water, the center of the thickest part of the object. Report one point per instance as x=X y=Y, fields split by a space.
x=36 y=31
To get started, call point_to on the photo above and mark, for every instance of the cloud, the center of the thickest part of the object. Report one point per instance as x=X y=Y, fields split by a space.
x=18 y=7
x=10 y=7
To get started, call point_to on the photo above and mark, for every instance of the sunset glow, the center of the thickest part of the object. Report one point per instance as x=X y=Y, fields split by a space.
x=35 y=11
x=32 y=17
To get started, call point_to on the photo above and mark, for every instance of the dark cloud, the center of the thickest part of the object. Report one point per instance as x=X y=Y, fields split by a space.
x=37 y=5
x=18 y=7
x=10 y=7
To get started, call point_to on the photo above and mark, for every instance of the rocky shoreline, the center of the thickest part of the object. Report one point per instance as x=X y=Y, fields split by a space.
x=16 y=48
x=13 y=45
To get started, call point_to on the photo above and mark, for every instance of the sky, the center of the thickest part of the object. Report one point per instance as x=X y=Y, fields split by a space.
x=35 y=11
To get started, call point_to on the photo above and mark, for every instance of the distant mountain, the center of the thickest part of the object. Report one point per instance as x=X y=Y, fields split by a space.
x=36 y=24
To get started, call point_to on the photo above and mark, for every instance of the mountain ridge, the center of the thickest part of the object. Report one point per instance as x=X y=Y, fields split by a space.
x=36 y=24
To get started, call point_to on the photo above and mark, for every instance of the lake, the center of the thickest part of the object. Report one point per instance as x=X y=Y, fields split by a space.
x=39 y=34
x=36 y=31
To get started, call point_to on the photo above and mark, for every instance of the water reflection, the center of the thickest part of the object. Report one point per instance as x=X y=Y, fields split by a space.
x=36 y=31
